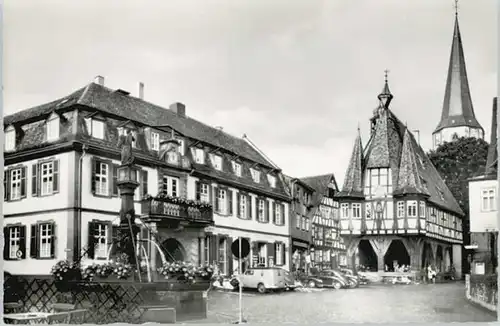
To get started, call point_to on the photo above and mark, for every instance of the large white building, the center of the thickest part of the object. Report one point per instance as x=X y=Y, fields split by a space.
x=457 y=117
x=483 y=209
x=61 y=196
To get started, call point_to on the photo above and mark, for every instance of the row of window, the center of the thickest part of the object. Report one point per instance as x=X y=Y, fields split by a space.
x=223 y=204
x=302 y=222
x=437 y=229
x=41 y=241
x=320 y=233
x=44 y=180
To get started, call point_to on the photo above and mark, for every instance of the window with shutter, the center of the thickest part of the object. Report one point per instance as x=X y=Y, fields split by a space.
x=6 y=186
x=34 y=243
x=261 y=213
x=15 y=242
x=114 y=188
x=266 y=206
x=46 y=240
x=47 y=178
x=99 y=239
x=250 y=207
x=17 y=179
x=229 y=203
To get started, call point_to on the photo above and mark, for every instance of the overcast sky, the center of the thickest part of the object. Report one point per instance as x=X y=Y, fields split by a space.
x=297 y=76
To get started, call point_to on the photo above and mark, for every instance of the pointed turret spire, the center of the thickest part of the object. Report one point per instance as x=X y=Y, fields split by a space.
x=385 y=96
x=457 y=105
x=353 y=183
x=409 y=180
x=492 y=160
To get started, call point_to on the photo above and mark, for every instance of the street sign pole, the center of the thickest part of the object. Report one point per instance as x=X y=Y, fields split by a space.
x=241 y=285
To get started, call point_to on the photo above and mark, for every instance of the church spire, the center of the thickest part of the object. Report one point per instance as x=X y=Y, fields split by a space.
x=353 y=182
x=458 y=110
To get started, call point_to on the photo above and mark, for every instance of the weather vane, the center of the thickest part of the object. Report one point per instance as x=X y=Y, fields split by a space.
x=386 y=73
x=456 y=7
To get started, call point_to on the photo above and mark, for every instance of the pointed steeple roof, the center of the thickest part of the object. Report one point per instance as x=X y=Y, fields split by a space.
x=457 y=105
x=353 y=182
x=409 y=180
x=492 y=160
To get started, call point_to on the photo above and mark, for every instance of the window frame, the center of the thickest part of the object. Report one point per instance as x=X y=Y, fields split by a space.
x=356 y=208
x=52 y=128
x=490 y=199
x=198 y=155
x=236 y=168
x=10 y=140
x=222 y=201
x=400 y=209
x=97 y=128
x=411 y=205
x=168 y=186
x=155 y=141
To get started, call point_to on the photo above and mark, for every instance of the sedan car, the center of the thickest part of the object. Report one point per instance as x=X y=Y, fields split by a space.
x=327 y=278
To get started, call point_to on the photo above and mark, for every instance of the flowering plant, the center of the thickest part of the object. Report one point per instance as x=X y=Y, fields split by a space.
x=179 y=200
x=64 y=270
x=101 y=270
x=185 y=271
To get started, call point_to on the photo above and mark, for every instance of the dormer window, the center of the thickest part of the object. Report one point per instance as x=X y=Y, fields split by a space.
x=216 y=161
x=236 y=168
x=155 y=141
x=181 y=147
x=272 y=180
x=10 y=139
x=198 y=155
x=255 y=175
x=52 y=128
x=172 y=157
x=95 y=128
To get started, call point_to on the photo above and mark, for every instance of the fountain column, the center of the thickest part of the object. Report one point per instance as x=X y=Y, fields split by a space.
x=152 y=247
x=127 y=232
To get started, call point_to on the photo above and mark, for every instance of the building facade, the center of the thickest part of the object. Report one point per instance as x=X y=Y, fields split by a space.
x=329 y=247
x=483 y=210
x=200 y=188
x=457 y=117
x=395 y=209
x=300 y=222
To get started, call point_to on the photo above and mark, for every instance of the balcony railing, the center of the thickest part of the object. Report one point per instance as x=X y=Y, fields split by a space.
x=177 y=208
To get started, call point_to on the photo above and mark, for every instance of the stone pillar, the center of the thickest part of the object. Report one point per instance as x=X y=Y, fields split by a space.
x=457 y=260
x=128 y=230
x=152 y=247
x=380 y=246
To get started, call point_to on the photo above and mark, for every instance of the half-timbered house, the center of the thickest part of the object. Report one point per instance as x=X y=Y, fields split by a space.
x=329 y=249
x=395 y=209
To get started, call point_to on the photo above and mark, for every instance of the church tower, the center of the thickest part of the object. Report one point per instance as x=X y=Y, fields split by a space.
x=457 y=118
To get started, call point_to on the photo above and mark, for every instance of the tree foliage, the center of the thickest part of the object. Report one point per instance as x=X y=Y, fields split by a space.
x=457 y=162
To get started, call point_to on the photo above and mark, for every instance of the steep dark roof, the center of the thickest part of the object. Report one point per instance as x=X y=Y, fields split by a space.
x=492 y=159
x=320 y=184
x=116 y=103
x=353 y=182
x=457 y=105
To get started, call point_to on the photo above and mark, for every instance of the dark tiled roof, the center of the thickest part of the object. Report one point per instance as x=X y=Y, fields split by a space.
x=410 y=180
x=353 y=182
x=457 y=105
x=394 y=132
x=320 y=184
x=35 y=113
x=492 y=159
x=131 y=108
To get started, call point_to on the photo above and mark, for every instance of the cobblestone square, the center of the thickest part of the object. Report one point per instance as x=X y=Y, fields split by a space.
x=371 y=303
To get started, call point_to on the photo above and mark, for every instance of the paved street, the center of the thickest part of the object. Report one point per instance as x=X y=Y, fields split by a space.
x=370 y=303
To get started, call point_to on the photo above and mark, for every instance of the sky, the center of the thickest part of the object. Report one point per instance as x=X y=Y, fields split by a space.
x=298 y=77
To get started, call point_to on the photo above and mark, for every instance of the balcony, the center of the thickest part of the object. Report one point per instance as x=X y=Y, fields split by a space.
x=176 y=209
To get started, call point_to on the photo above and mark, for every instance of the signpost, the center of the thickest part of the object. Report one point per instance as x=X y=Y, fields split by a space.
x=240 y=248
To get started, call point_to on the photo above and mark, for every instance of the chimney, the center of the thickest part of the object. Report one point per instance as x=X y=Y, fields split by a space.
x=99 y=80
x=141 y=90
x=178 y=108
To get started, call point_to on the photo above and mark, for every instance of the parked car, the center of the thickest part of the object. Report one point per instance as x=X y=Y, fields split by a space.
x=361 y=279
x=351 y=280
x=264 y=279
x=328 y=278
x=290 y=282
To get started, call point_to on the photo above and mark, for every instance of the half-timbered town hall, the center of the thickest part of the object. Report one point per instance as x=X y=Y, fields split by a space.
x=395 y=209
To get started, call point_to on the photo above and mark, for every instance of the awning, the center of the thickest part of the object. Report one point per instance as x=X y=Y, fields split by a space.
x=300 y=244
